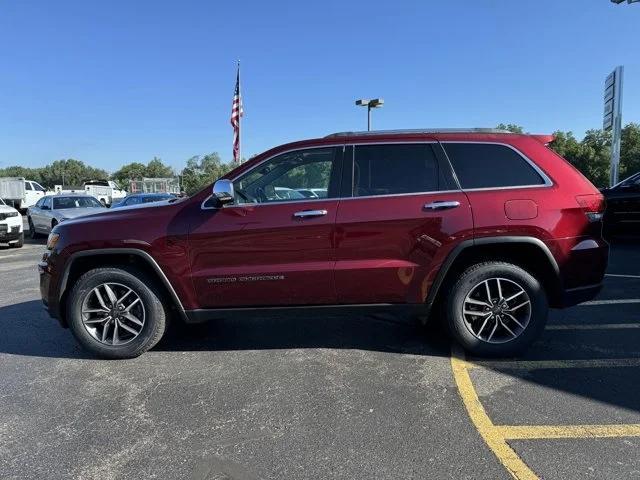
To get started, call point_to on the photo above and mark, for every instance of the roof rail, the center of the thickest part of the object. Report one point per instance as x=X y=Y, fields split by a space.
x=418 y=130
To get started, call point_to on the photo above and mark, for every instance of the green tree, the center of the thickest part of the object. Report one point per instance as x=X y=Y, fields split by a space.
x=157 y=169
x=630 y=150
x=70 y=172
x=129 y=172
x=18 y=171
x=201 y=171
x=512 y=127
x=590 y=155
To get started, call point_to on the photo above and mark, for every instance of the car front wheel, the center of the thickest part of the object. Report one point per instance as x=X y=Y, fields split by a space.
x=496 y=309
x=116 y=312
x=32 y=230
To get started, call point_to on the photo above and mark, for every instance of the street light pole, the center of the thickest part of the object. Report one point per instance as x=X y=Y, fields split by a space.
x=375 y=103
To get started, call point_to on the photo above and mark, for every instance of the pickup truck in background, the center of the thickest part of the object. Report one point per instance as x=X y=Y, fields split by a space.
x=105 y=191
x=20 y=192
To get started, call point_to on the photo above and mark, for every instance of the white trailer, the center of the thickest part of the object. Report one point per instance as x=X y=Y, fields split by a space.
x=22 y=193
x=155 y=185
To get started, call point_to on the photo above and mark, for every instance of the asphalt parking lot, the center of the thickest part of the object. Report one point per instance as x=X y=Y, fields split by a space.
x=321 y=397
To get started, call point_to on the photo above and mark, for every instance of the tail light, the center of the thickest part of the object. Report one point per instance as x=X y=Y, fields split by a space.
x=592 y=205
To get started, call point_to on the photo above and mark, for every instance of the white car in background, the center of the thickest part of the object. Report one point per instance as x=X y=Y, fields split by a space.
x=54 y=209
x=313 y=192
x=11 y=229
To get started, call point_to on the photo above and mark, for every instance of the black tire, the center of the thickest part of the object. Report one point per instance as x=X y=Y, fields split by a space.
x=474 y=276
x=154 y=323
x=32 y=230
x=20 y=242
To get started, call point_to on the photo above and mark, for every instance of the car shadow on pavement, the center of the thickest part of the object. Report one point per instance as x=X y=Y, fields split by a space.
x=26 y=329
x=384 y=333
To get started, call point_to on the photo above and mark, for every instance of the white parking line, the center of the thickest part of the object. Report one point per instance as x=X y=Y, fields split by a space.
x=611 y=302
x=599 y=326
x=621 y=275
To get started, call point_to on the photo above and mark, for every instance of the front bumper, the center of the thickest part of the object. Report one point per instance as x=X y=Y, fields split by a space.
x=9 y=233
x=49 y=291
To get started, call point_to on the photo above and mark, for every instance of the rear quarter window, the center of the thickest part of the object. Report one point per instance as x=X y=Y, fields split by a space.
x=486 y=165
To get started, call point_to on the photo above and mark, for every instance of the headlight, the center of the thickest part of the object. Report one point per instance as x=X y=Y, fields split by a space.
x=12 y=214
x=52 y=241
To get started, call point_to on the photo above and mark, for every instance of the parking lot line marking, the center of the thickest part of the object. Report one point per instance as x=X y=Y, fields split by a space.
x=527 y=432
x=621 y=275
x=610 y=302
x=598 y=326
x=544 y=364
x=483 y=424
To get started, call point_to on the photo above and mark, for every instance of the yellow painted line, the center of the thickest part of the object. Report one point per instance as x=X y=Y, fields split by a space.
x=511 y=432
x=542 y=364
x=598 y=326
x=487 y=430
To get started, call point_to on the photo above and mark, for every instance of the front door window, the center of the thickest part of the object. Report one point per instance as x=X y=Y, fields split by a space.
x=288 y=177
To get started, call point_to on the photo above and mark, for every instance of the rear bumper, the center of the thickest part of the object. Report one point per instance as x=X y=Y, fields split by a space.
x=574 y=296
x=582 y=262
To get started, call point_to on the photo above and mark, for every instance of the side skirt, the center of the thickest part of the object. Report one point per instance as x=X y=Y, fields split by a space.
x=408 y=312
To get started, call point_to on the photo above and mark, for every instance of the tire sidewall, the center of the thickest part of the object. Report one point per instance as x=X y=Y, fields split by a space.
x=32 y=230
x=154 y=324
x=471 y=278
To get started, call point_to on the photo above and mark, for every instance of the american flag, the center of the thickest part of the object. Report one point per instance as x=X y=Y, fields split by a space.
x=236 y=114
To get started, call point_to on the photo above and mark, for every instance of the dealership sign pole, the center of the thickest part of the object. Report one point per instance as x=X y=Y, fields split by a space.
x=612 y=120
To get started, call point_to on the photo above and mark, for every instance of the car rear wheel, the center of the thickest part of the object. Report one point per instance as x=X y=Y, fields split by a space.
x=116 y=312
x=496 y=309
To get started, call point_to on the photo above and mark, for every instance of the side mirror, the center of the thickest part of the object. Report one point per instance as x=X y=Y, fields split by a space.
x=44 y=207
x=223 y=192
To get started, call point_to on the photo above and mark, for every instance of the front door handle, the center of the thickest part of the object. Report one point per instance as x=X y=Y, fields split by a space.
x=442 y=205
x=310 y=213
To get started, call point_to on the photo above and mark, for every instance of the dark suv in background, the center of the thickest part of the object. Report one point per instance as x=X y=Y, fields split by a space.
x=622 y=217
x=480 y=228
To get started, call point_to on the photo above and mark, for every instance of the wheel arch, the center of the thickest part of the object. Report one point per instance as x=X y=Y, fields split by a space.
x=529 y=253
x=81 y=262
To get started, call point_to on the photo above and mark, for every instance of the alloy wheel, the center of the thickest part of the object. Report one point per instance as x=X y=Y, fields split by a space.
x=497 y=310
x=113 y=314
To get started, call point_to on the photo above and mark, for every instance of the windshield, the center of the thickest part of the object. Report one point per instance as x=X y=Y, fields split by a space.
x=75 y=202
x=633 y=180
x=2 y=202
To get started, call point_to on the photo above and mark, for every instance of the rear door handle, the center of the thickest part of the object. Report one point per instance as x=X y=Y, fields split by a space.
x=442 y=205
x=310 y=213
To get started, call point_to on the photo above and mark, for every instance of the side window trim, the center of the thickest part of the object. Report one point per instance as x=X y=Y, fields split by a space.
x=547 y=182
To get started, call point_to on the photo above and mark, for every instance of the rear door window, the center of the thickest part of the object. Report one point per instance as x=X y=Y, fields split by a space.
x=395 y=169
x=487 y=165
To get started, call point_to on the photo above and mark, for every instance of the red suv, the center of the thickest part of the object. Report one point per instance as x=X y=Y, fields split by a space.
x=481 y=228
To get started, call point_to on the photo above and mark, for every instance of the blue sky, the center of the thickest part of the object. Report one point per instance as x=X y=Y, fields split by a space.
x=120 y=81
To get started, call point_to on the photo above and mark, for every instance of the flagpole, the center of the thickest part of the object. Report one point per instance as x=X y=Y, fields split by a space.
x=239 y=119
